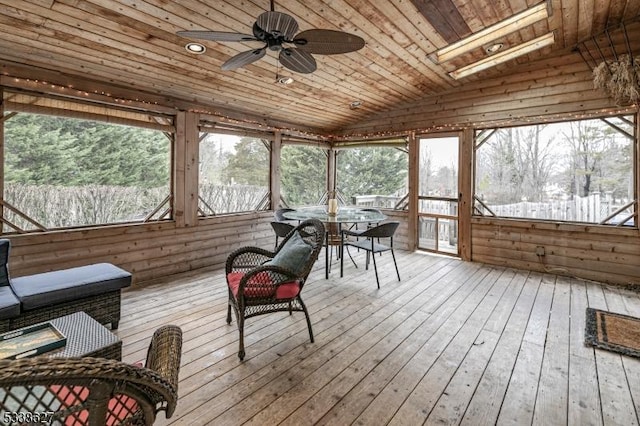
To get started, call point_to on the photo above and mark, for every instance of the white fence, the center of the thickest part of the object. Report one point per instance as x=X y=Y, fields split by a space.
x=593 y=209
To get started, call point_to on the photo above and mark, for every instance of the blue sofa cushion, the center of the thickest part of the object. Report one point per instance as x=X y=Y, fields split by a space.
x=51 y=288
x=9 y=303
x=5 y=246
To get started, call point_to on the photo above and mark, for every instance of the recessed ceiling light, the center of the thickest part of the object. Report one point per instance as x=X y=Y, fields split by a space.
x=495 y=47
x=196 y=48
x=285 y=80
x=355 y=104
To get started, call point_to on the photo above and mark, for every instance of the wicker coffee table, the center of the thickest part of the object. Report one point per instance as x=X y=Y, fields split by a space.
x=86 y=337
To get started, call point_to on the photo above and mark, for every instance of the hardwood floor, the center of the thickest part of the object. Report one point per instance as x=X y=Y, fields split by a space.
x=452 y=343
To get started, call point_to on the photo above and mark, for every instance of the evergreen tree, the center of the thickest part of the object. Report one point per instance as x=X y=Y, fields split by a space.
x=37 y=152
x=123 y=156
x=372 y=171
x=303 y=174
x=249 y=165
x=47 y=150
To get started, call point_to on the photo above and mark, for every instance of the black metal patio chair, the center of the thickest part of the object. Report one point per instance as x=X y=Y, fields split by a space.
x=279 y=214
x=369 y=240
x=281 y=230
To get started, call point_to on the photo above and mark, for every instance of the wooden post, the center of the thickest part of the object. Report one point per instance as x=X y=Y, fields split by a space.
x=636 y=167
x=274 y=175
x=186 y=153
x=465 y=196
x=2 y=123
x=414 y=165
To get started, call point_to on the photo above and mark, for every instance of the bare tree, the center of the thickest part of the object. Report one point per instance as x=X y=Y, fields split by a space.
x=538 y=153
x=515 y=163
x=587 y=143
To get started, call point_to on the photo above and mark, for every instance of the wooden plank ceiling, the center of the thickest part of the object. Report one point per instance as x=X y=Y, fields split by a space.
x=133 y=44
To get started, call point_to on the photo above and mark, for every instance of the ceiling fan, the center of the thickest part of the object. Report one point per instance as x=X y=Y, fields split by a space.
x=278 y=32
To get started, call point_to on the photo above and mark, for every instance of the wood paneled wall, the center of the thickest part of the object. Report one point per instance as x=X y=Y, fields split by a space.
x=598 y=253
x=153 y=250
x=560 y=86
x=148 y=251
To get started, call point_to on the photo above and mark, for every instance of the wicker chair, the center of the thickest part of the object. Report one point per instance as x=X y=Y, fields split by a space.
x=93 y=391
x=261 y=281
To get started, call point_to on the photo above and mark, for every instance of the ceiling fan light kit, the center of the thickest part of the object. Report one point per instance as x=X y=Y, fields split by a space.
x=277 y=31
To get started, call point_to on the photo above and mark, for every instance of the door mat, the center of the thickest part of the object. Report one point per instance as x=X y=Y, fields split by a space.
x=613 y=332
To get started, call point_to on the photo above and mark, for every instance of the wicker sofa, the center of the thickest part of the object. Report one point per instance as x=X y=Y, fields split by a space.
x=94 y=289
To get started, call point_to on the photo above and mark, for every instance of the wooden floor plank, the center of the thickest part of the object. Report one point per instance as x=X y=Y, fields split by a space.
x=334 y=364
x=551 y=399
x=448 y=322
x=453 y=342
x=456 y=397
x=417 y=407
x=519 y=402
x=359 y=366
x=584 y=395
x=488 y=396
x=212 y=408
x=383 y=407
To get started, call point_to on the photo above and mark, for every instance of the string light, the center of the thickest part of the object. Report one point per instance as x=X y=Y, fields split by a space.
x=81 y=93
x=260 y=125
x=511 y=121
x=361 y=135
x=122 y=100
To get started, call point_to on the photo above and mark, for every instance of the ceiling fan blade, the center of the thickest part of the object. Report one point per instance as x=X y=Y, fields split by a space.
x=216 y=35
x=297 y=61
x=278 y=24
x=244 y=58
x=327 y=42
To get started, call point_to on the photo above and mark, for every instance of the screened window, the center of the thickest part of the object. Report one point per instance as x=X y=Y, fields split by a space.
x=233 y=173
x=64 y=172
x=303 y=174
x=373 y=176
x=579 y=171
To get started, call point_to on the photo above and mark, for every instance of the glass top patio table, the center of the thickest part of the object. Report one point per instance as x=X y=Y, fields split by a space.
x=333 y=222
x=345 y=214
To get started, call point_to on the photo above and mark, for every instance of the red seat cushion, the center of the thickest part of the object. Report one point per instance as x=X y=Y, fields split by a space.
x=120 y=406
x=263 y=287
